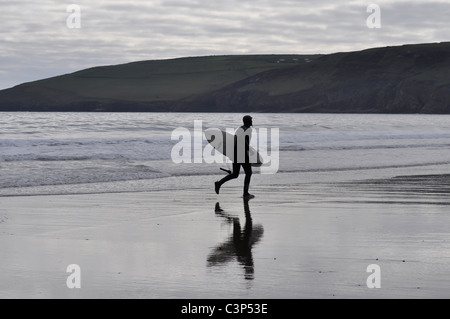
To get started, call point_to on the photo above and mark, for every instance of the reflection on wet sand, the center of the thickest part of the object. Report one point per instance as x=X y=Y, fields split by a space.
x=240 y=244
x=402 y=190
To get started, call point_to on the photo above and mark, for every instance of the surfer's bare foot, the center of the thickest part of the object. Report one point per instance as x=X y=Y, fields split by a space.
x=217 y=186
x=248 y=196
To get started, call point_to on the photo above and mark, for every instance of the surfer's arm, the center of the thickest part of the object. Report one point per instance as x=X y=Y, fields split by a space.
x=242 y=137
x=247 y=149
x=235 y=148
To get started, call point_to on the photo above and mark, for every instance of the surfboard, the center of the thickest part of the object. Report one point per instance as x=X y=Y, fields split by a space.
x=223 y=142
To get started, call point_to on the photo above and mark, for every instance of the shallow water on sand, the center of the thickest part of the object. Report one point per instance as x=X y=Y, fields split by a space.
x=313 y=240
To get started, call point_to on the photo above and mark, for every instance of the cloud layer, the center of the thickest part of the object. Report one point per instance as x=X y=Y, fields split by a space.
x=36 y=43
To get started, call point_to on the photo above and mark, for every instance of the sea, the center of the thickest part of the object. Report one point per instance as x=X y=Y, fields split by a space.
x=83 y=153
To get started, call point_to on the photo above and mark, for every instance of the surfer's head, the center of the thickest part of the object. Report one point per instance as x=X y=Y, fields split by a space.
x=248 y=120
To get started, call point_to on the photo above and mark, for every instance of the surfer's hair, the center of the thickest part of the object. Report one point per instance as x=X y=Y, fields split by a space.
x=247 y=120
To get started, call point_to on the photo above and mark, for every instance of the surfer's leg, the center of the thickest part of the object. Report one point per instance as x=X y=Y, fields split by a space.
x=248 y=177
x=235 y=174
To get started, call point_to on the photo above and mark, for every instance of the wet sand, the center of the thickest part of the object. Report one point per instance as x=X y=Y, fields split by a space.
x=310 y=240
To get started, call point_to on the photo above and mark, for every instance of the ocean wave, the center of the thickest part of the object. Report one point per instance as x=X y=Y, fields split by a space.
x=336 y=147
x=76 y=158
x=61 y=150
x=87 y=149
x=80 y=142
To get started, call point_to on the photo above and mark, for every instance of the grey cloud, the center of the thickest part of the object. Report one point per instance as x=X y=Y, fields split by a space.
x=35 y=41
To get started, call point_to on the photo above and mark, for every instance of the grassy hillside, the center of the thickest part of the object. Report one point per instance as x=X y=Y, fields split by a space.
x=405 y=79
x=402 y=79
x=140 y=84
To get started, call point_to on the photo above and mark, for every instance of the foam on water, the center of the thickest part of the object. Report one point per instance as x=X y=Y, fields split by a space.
x=69 y=149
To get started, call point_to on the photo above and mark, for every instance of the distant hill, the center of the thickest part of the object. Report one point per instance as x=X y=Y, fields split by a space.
x=403 y=79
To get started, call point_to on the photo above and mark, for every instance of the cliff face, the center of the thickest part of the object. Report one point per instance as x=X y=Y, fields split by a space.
x=405 y=79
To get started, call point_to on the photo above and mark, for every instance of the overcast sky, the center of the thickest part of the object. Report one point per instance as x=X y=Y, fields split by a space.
x=36 y=43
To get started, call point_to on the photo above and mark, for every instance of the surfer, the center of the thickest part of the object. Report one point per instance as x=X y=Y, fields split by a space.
x=242 y=139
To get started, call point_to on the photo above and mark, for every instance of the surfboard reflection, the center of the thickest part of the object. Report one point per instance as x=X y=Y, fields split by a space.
x=240 y=244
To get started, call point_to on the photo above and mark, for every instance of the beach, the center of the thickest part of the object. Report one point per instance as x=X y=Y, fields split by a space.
x=94 y=205
x=306 y=240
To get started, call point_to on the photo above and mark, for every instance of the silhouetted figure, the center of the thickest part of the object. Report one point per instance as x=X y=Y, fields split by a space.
x=242 y=139
x=240 y=244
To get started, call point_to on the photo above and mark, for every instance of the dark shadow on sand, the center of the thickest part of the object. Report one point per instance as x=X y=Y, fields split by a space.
x=240 y=244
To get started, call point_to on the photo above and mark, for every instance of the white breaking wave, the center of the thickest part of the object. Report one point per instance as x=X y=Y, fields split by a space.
x=84 y=149
x=51 y=149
